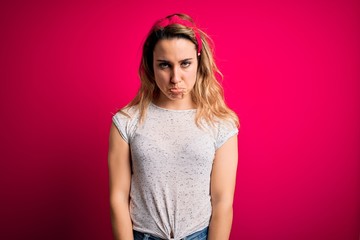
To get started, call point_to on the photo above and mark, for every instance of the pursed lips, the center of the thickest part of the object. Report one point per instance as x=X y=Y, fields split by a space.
x=177 y=90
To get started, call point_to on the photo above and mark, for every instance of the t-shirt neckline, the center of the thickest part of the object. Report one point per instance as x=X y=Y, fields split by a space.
x=172 y=110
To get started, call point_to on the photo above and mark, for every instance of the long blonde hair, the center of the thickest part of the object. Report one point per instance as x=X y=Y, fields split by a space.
x=207 y=94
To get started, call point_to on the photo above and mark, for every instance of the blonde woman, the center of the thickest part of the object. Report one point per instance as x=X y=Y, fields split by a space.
x=173 y=148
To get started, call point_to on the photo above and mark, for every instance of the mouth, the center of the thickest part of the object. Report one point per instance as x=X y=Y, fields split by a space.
x=177 y=90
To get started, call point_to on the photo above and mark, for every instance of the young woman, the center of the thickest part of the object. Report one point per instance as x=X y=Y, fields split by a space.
x=173 y=148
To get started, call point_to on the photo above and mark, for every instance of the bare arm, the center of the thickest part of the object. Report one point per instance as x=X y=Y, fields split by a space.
x=120 y=179
x=223 y=179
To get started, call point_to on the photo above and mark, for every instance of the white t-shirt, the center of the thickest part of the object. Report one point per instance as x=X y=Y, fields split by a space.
x=171 y=165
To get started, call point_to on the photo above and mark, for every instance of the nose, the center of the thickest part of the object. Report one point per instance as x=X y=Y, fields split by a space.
x=175 y=76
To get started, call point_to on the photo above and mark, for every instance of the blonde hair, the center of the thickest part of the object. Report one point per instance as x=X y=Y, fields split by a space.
x=207 y=94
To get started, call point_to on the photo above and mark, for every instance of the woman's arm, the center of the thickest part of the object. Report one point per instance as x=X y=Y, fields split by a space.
x=223 y=179
x=120 y=179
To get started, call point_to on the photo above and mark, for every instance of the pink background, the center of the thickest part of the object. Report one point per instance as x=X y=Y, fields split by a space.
x=292 y=73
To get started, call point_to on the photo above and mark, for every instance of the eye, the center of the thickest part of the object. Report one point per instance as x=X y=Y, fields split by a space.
x=163 y=65
x=185 y=64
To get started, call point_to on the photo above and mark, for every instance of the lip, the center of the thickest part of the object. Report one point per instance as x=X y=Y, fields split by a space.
x=176 y=90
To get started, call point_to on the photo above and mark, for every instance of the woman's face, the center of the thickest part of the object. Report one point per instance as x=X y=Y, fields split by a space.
x=175 y=66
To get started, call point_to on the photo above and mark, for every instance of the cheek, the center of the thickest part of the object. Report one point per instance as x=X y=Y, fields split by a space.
x=161 y=77
x=191 y=76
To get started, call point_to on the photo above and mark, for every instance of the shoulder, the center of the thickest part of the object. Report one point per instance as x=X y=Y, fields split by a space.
x=218 y=124
x=224 y=129
x=126 y=121
x=128 y=112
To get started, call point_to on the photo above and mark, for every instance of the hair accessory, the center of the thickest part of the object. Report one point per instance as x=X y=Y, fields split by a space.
x=175 y=19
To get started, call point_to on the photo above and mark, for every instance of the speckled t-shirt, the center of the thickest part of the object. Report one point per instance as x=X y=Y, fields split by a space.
x=171 y=165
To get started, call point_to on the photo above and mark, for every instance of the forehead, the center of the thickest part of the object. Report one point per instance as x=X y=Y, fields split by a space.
x=177 y=48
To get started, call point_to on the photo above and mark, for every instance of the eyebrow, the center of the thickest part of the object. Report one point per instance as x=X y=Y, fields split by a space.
x=166 y=61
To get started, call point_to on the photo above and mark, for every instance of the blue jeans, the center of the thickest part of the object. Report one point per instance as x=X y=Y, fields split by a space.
x=200 y=235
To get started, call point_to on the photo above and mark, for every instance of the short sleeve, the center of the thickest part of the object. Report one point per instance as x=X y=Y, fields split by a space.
x=125 y=124
x=225 y=131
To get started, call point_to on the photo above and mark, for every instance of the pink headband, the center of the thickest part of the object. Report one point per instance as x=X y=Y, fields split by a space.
x=175 y=19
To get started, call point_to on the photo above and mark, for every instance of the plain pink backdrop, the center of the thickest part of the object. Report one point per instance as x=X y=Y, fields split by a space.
x=292 y=73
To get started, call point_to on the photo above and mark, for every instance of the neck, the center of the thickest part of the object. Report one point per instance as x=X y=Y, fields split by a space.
x=178 y=104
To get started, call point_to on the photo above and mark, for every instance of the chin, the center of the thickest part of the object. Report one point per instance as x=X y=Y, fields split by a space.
x=176 y=97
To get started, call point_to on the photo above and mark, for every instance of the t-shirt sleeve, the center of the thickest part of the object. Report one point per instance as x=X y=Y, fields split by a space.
x=122 y=123
x=225 y=131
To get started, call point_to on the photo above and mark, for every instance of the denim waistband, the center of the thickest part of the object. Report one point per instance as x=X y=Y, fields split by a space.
x=199 y=235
